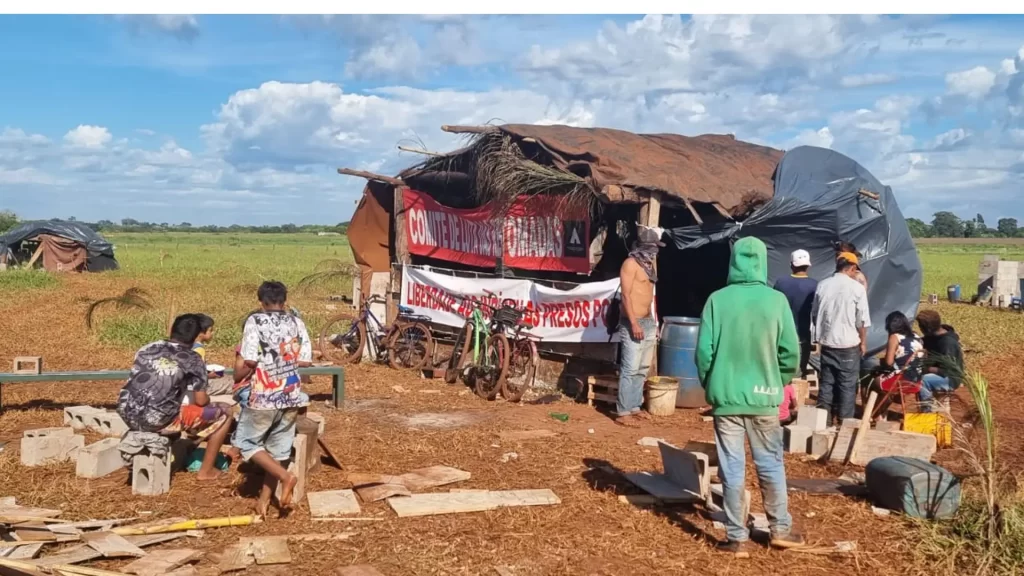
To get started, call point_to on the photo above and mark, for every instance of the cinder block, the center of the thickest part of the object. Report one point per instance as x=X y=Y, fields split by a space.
x=821 y=442
x=320 y=421
x=28 y=365
x=107 y=423
x=797 y=438
x=99 y=459
x=812 y=417
x=41 y=450
x=151 y=475
x=850 y=423
x=887 y=426
x=78 y=416
x=44 y=432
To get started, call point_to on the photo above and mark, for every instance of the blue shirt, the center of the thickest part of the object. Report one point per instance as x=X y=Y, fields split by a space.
x=799 y=291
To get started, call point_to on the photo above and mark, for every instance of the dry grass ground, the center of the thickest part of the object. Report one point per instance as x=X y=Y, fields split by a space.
x=591 y=532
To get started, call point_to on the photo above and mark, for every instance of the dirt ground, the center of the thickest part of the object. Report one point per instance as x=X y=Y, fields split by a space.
x=381 y=430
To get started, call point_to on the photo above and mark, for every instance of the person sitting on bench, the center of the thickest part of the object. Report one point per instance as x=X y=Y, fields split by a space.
x=163 y=372
x=945 y=361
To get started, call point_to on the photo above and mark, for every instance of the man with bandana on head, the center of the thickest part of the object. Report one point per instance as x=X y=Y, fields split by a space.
x=638 y=327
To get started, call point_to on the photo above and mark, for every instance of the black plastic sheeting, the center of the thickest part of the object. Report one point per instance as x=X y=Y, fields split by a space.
x=818 y=202
x=100 y=252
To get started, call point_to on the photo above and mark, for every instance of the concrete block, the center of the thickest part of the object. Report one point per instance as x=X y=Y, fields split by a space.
x=887 y=426
x=797 y=438
x=851 y=423
x=99 y=459
x=688 y=470
x=27 y=365
x=78 y=416
x=107 y=423
x=812 y=417
x=320 y=421
x=151 y=475
x=821 y=442
x=52 y=449
x=44 y=432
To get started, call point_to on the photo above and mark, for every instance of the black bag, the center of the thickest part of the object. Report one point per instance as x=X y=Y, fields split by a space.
x=613 y=315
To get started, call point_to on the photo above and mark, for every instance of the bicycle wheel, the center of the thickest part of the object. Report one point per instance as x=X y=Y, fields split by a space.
x=522 y=368
x=410 y=346
x=342 y=340
x=493 y=368
x=460 y=351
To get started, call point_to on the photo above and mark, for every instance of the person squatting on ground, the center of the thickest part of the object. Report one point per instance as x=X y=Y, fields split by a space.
x=274 y=345
x=747 y=351
x=945 y=359
x=638 y=326
x=163 y=373
x=841 y=320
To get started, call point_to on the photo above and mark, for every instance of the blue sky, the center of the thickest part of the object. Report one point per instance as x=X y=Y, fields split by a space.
x=244 y=119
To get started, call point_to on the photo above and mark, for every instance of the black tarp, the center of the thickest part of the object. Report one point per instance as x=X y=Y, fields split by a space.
x=817 y=202
x=100 y=252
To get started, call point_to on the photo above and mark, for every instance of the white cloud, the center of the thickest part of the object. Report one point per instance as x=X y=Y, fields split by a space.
x=975 y=83
x=86 y=136
x=863 y=80
x=181 y=26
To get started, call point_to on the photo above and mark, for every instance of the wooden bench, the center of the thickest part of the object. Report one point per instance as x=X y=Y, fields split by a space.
x=337 y=374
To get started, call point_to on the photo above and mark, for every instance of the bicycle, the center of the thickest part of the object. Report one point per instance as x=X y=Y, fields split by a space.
x=522 y=346
x=483 y=372
x=407 y=342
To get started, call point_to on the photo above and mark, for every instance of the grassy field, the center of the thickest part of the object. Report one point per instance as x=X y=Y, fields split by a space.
x=949 y=261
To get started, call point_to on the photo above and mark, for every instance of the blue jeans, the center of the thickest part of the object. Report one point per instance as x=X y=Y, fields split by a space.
x=765 y=435
x=930 y=384
x=837 y=390
x=634 y=362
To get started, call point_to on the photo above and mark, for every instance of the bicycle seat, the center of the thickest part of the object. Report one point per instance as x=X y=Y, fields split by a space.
x=405 y=310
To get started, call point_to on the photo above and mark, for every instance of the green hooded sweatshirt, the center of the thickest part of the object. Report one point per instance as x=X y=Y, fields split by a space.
x=747 y=349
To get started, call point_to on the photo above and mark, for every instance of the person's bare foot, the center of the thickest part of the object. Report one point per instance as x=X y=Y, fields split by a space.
x=211 y=476
x=641 y=415
x=261 y=508
x=232 y=452
x=627 y=421
x=287 y=487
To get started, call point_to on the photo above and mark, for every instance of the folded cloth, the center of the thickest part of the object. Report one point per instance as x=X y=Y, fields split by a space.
x=135 y=443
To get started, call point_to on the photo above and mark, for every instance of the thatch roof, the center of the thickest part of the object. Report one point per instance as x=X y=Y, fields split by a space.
x=502 y=162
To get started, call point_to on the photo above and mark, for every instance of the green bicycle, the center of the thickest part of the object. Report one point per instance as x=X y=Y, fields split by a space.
x=480 y=355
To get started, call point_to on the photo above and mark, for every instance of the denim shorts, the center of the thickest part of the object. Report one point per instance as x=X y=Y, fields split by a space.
x=270 y=430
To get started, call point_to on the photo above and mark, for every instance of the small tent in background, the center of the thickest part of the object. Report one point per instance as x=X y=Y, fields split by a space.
x=57 y=246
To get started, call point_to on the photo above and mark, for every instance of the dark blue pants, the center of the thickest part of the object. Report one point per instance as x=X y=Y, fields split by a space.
x=837 y=388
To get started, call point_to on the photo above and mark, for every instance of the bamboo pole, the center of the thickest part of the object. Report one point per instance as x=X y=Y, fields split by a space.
x=419 y=151
x=190 y=525
x=456 y=129
x=371 y=176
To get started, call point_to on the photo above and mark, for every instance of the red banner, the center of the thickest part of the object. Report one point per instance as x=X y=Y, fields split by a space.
x=539 y=233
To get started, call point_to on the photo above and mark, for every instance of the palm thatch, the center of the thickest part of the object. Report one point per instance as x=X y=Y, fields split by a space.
x=131 y=299
x=326 y=271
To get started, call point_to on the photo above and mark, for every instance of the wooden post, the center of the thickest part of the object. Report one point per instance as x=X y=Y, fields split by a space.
x=401 y=254
x=650 y=215
x=865 y=426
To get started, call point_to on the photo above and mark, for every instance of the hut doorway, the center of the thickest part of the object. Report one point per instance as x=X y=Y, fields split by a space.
x=686 y=278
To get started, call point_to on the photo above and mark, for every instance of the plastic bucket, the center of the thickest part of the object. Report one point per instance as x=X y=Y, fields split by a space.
x=661 y=395
x=953 y=292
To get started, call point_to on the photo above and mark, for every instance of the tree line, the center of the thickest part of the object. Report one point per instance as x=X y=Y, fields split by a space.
x=949 y=225
x=9 y=220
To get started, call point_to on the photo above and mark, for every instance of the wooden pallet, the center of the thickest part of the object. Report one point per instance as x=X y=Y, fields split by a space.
x=602 y=389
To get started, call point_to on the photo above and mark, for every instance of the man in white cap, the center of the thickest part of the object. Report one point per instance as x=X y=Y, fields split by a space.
x=799 y=290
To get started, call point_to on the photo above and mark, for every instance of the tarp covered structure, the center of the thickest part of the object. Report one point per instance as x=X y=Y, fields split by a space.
x=65 y=245
x=821 y=197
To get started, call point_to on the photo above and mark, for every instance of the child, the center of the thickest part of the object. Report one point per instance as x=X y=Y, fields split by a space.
x=218 y=383
x=151 y=400
x=788 y=408
x=274 y=345
x=206 y=334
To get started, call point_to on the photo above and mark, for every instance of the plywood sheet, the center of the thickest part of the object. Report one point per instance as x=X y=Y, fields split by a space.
x=456 y=502
x=112 y=545
x=332 y=503
x=160 y=562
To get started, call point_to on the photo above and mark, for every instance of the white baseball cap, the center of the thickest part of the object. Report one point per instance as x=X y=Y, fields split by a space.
x=800 y=258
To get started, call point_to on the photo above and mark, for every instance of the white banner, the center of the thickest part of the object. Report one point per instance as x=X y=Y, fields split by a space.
x=575 y=315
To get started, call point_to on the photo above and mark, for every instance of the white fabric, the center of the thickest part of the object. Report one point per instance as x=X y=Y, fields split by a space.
x=840 y=308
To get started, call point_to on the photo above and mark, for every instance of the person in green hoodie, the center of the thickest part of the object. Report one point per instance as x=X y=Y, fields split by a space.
x=747 y=350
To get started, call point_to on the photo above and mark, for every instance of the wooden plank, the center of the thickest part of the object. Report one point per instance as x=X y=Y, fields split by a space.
x=865 y=425
x=84 y=553
x=69 y=570
x=10 y=567
x=453 y=503
x=34 y=535
x=327 y=452
x=332 y=503
x=269 y=550
x=661 y=487
x=28 y=513
x=693 y=211
x=112 y=545
x=877 y=444
x=378 y=492
x=433 y=476
x=358 y=570
x=23 y=552
x=235 y=557
x=159 y=562
x=842 y=444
